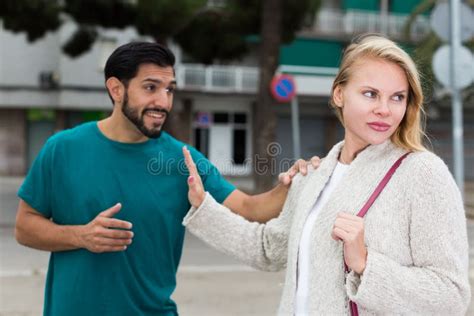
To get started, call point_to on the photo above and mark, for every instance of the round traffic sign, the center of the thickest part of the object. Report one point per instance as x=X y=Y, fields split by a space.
x=440 y=21
x=283 y=88
x=464 y=66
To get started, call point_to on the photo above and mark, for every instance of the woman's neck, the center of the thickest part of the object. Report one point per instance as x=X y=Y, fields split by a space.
x=350 y=151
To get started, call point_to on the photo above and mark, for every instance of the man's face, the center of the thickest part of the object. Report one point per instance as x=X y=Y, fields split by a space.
x=148 y=98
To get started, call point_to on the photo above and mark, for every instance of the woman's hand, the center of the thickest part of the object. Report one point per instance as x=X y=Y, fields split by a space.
x=350 y=230
x=196 y=192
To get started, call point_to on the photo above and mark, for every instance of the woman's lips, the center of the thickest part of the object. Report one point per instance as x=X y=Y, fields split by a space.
x=379 y=126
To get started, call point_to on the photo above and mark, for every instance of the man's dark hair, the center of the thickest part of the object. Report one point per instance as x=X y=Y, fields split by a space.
x=126 y=59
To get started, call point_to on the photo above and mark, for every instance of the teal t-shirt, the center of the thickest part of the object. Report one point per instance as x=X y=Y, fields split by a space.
x=80 y=173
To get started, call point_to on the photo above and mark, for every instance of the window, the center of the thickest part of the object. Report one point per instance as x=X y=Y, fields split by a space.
x=240 y=118
x=239 y=152
x=239 y=142
x=201 y=140
x=220 y=117
x=223 y=137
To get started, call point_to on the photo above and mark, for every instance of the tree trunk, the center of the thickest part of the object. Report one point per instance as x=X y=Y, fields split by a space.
x=265 y=116
x=179 y=122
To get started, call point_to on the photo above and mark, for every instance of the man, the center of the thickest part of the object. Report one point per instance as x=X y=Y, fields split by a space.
x=107 y=198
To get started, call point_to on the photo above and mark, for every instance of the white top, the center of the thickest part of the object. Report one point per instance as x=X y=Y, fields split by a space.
x=302 y=288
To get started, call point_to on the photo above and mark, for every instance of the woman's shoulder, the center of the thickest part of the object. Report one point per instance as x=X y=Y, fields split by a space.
x=426 y=162
x=425 y=169
x=314 y=177
x=326 y=166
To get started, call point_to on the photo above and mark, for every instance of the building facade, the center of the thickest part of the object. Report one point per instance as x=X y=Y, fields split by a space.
x=43 y=91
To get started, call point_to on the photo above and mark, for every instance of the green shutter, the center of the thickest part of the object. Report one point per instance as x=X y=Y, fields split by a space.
x=310 y=52
x=403 y=6
x=368 y=5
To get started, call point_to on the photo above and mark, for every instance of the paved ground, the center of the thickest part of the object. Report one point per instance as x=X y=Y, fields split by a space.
x=209 y=283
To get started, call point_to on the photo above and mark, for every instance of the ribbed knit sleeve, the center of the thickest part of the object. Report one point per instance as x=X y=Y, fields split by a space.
x=262 y=246
x=437 y=283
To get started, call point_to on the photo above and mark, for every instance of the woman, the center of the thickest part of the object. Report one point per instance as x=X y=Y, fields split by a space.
x=408 y=255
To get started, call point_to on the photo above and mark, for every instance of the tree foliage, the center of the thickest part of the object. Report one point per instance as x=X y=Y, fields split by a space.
x=35 y=17
x=205 y=32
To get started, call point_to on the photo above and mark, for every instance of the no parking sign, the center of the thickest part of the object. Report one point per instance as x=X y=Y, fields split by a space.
x=283 y=88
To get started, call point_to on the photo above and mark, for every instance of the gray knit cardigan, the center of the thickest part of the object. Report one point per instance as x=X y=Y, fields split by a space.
x=415 y=233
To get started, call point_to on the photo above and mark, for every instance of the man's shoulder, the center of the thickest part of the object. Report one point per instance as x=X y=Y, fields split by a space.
x=79 y=133
x=75 y=139
x=171 y=141
x=175 y=145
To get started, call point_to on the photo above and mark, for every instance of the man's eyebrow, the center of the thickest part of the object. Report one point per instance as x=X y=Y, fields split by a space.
x=158 y=81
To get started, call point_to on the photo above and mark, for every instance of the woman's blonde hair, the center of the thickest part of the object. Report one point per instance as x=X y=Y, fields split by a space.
x=410 y=133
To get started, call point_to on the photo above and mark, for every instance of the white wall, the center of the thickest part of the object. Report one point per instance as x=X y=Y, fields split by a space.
x=313 y=85
x=21 y=61
x=87 y=69
x=81 y=79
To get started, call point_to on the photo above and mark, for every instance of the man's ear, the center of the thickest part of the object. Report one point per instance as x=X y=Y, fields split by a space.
x=338 y=96
x=116 y=89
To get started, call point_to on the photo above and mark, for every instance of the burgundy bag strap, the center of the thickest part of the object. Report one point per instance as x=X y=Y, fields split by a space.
x=381 y=186
x=353 y=306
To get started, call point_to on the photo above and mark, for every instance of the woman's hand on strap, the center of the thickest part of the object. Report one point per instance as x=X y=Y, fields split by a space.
x=349 y=229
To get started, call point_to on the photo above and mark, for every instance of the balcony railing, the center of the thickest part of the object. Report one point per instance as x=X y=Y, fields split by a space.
x=333 y=22
x=225 y=79
x=217 y=78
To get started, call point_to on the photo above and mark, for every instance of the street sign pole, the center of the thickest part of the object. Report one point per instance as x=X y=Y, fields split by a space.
x=283 y=89
x=295 y=124
x=458 y=146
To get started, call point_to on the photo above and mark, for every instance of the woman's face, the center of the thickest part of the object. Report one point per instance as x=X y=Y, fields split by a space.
x=373 y=102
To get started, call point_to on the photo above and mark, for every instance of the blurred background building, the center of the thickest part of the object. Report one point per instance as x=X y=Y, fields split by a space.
x=43 y=91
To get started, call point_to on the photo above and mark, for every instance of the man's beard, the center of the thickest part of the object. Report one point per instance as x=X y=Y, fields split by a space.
x=138 y=120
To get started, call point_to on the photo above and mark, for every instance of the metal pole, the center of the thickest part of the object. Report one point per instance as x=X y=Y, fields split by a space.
x=384 y=17
x=295 y=124
x=458 y=150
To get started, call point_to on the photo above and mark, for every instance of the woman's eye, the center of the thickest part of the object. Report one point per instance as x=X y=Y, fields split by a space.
x=398 y=97
x=150 y=87
x=170 y=90
x=370 y=94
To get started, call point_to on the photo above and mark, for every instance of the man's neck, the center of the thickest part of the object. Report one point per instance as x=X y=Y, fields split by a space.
x=116 y=127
